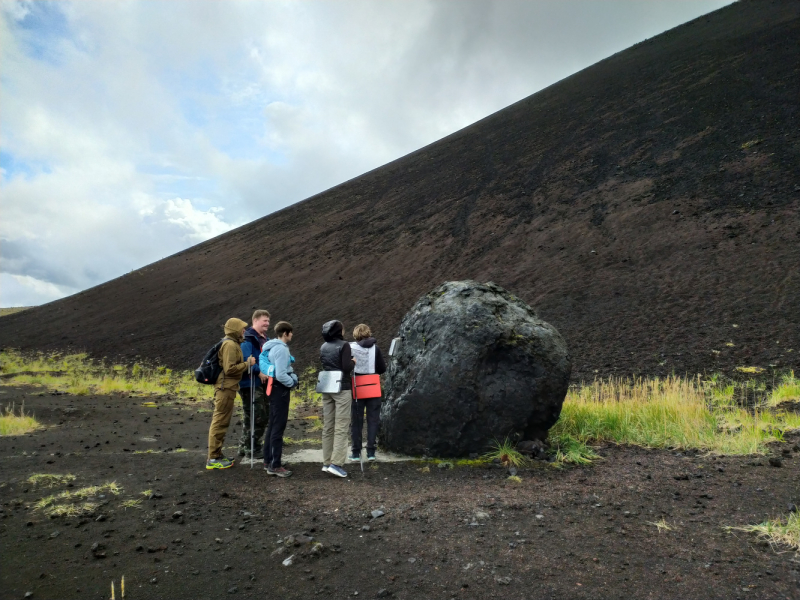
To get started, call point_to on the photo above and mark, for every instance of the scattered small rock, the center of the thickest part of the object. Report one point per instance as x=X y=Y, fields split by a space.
x=29 y=594
x=287 y=562
x=503 y=580
x=233 y=590
x=177 y=514
x=792 y=508
x=366 y=528
x=383 y=593
x=55 y=534
x=100 y=518
x=154 y=580
x=377 y=514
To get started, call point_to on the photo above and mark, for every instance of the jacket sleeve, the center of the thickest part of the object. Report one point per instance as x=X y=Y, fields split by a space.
x=380 y=364
x=230 y=361
x=279 y=356
x=347 y=359
x=247 y=351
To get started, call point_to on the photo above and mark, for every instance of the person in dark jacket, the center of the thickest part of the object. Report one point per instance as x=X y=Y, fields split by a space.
x=335 y=356
x=255 y=337
x=369 y=361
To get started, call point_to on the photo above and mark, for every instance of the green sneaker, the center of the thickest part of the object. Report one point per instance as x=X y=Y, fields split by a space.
x=354 y=457
x=219 y=463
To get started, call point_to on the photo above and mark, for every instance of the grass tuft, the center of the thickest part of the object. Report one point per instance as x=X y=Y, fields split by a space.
x=514 y=479
x=506 y=452
x=132 y=503
x=778 y=532
x=50 y=479
x=661 y=525
x=12 y=423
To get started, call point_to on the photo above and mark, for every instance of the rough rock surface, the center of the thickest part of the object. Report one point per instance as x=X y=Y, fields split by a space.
x=475 y=364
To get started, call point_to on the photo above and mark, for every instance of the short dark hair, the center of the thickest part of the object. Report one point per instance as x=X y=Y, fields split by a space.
x=282 y=328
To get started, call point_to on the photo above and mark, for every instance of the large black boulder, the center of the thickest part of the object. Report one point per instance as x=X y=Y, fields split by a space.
x=475 y=365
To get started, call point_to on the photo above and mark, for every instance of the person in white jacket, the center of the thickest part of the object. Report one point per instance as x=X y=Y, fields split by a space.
x=369 y=361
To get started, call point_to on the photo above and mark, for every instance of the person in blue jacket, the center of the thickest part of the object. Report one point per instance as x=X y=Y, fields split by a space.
x=255 y=337
x=276 y=361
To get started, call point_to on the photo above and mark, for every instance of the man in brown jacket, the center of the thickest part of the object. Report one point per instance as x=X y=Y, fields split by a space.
x=233 y=367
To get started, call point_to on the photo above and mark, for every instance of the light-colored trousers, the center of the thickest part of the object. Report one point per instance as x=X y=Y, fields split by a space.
x=336 y=427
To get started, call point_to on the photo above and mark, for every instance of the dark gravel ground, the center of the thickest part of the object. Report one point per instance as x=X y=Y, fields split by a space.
x=447 y=533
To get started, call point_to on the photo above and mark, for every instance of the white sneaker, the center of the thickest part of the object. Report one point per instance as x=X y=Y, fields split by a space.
x=325 y=468
x=336 y=470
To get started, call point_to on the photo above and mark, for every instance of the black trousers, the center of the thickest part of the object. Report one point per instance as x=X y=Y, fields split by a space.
x=278 y=416
x=259 y=396
x=372 y=406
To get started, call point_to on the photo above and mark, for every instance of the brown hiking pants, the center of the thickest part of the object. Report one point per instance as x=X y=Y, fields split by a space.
x=224 y=401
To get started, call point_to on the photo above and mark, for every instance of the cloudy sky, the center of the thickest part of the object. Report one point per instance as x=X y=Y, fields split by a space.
x=131 y=130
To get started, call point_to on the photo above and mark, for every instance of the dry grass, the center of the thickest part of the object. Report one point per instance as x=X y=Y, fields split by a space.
x=50 y=479
x=12 y=423
x=75 y=503
x=778 y=532
x=131 y=503
x=661 y=525
x=4 y=312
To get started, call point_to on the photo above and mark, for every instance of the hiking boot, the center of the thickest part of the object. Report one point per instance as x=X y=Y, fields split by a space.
x=354 y=457
x=280 y=471
x=219 y=463
x=371 y=456
x=337 y=470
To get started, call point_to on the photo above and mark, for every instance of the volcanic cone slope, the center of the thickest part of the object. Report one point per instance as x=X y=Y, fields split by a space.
x=646 y=206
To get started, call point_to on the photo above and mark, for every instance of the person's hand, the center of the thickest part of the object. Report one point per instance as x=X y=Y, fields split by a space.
x=354 y=360
x=251 y=361
x=263 y=378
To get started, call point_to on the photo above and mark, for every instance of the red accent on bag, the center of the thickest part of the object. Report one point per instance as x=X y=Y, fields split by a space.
x=367 y=386
x=269 y=386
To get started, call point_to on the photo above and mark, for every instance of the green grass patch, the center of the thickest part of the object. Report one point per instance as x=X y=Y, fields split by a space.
x=505 y=452
x=12 y=423
x=79 y=375
x=673 y=413
x=787 y=390
x=778 y=532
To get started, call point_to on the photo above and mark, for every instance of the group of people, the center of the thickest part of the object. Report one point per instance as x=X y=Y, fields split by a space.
x=260 y=370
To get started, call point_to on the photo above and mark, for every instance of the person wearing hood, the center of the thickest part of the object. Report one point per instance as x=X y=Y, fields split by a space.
x=369 y=361
x=233 y=367
x=335 y=356
x=255 y=337
x=276 y=353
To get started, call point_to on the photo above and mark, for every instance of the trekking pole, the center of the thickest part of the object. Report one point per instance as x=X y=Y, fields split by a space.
x=252 y=417
x=355 y=399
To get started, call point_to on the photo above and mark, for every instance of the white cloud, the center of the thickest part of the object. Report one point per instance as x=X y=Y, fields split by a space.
x=127 y=127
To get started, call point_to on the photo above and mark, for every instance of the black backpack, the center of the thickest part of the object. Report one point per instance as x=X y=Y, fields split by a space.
x=209 y=369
